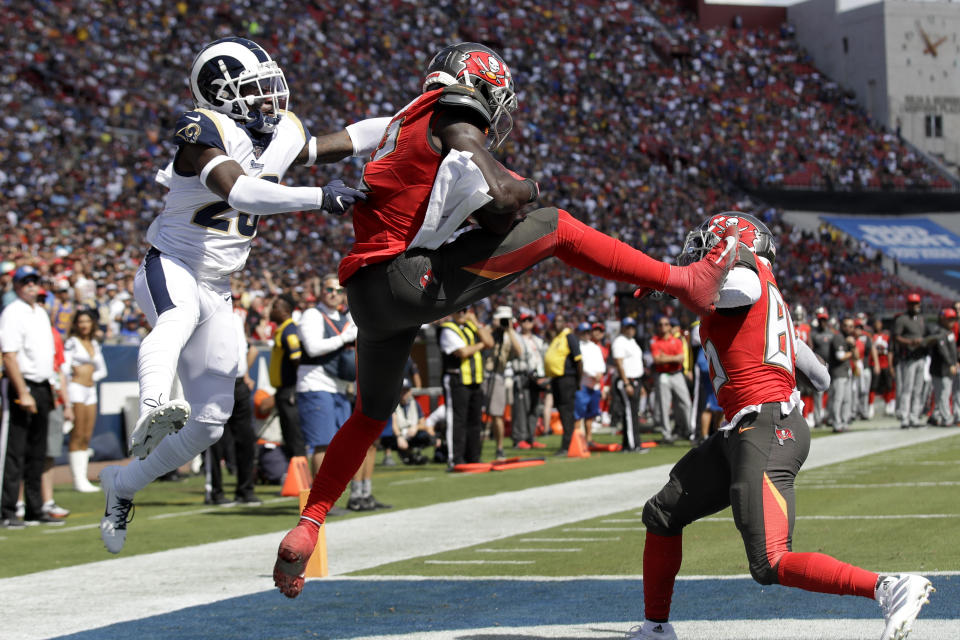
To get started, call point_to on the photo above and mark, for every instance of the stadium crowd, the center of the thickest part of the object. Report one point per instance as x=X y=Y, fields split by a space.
x=639 y=139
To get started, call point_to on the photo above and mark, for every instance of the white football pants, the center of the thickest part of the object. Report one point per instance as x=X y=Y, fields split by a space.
x=194 y=336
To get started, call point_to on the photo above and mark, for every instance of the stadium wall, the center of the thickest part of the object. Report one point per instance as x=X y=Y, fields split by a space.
x=899 y=58
x=711 y=14
x=874 y=202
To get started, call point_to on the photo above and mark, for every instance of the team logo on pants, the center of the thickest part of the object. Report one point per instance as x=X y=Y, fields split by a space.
x=784 y=434
x=426 y=279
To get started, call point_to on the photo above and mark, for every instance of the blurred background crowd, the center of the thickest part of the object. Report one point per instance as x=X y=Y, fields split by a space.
x=631 y=118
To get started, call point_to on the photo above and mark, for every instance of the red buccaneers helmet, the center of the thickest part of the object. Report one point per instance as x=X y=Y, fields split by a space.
x=754 y=235
x=482 y=68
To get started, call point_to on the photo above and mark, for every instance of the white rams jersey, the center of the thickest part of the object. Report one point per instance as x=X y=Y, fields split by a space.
x=196 y=226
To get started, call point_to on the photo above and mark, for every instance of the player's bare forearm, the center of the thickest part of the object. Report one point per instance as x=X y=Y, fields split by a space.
x=330 y=147
x=509 y=194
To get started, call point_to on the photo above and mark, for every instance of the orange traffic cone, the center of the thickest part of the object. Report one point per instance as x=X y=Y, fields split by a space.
x=298 y=477
x=578 y=445
x=317 y=564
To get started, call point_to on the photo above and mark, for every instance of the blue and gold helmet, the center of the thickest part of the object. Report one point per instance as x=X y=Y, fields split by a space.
x=235 y=76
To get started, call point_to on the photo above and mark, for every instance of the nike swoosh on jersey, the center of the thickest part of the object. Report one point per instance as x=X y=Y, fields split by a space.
x=742 y=429
x=193 y=118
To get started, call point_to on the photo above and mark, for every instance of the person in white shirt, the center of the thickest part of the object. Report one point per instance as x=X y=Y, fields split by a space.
x=27 y=341
x=587 y=401
x=628 y=359
x=327 y=336
x=408 y=428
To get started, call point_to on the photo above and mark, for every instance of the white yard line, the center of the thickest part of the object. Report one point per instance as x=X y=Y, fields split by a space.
x=472 y=562
x=530 y=550
x=134 y=587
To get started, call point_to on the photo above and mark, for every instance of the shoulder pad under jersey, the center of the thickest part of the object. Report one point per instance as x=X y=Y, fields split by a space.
x=459 y=95
x=198 y=127
x=748 y=259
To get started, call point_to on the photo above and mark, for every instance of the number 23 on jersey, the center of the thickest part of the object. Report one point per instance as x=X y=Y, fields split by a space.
x=216 y=216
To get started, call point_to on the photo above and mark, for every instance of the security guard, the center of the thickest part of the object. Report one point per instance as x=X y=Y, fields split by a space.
x=462 y=338
x=284 y=359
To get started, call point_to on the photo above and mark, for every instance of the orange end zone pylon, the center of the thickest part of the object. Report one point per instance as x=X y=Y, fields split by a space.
x=578 y=445
x=298 y=477
x=317 y=564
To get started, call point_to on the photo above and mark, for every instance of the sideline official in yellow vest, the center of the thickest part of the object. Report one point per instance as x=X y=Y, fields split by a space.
x=462 y=338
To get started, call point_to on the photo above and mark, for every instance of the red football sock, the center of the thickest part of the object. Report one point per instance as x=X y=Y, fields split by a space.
x=824 y=574
x=598 y=254
x=662 y=556
x=346 y=452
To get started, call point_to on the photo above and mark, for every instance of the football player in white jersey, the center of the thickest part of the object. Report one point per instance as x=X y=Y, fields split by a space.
x=233 y=150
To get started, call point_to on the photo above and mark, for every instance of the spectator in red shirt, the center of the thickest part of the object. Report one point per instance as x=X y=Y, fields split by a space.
x=671 y=386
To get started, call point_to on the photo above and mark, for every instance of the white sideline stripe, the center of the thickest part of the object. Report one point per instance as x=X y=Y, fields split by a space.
x=607 y=539
x=532 y=550
x=397 y=483
x=880 y=485
x=79 y=527
x=177 y=514
x=604 y=529
x=593 y=578
x=478 y=562
x=165 y=581
x=779 y=629
x=212 y=508
x=620 y=520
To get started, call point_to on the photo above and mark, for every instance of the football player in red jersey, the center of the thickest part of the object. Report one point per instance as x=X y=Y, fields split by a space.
x=883 y=381
x=407 y=267
x=802 y=329
x=750 y=465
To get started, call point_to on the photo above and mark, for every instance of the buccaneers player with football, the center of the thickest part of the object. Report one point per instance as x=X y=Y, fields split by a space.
x=751 y=463
x=408 y=267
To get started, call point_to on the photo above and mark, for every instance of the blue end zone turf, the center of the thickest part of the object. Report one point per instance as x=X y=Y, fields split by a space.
x=333 y=608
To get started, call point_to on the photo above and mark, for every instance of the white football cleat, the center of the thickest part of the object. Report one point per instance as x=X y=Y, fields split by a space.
x=116 y=515
x=156 y=424
x=901 y=598
x=650 y=630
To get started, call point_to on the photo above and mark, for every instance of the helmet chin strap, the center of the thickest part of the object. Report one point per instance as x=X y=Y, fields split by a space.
x=262 y=123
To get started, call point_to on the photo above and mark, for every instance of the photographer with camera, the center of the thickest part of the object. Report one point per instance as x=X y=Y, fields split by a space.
x=506 y=346
x=528 y=375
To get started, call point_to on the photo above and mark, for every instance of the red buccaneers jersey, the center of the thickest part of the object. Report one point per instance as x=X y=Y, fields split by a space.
x=803 y=332
x=882 y=340
x=399 y=176
x=751 y=354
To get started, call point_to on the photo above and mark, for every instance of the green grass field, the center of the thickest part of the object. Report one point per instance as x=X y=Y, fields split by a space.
x=852 y=510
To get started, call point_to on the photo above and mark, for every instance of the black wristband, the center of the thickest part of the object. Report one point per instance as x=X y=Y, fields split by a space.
x=534 y=191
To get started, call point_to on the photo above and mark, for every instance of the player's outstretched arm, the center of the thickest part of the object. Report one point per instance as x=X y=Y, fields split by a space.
x=225 y=177
x=358 y=140
x=812 y=366
x=458 y=129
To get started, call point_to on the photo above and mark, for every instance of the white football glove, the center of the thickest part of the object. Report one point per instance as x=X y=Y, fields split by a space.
x=349 y=334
